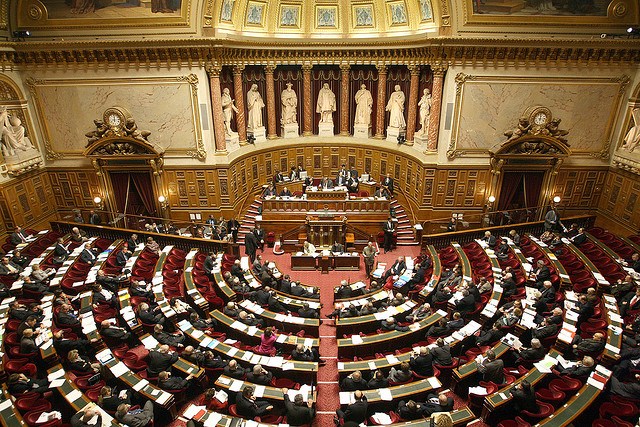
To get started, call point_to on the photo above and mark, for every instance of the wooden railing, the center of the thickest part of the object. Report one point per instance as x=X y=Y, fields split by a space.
x=441 y=240
x=112 y=233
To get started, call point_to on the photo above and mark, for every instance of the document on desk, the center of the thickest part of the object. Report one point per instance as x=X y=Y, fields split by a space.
x=356 y=339
x=385 y=394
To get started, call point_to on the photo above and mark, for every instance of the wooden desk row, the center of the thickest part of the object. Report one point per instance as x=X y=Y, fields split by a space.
x=264 y=392
x=301 y=261
x=281 y=321
x=370 y=322
x=565 y=280
x=435 y=275
x=194 y=296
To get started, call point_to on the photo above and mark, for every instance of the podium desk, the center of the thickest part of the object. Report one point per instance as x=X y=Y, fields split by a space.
x=326 y=195
x=303 y=262
x=335 y=262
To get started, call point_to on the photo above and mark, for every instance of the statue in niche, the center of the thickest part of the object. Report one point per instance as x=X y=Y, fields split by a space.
x=521 y=130
x=425 y=112
x=326 y=104
x=12 y=134
x=396 y=107
x=364 y=104
x=632 y=138
x=255 y=104
x=289 y=106
x=228 y=108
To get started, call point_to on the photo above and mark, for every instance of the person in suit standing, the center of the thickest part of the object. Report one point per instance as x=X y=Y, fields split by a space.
x=18 y=236
x=552 y=220
x=342 y=177
x=233 y=225
x=94 y=218
x=389 y=228
x=369 y=254
x=387 y=183
x=491 y=368
x=298 y=413
x=259 y=233
x=355 y=412
x=251 y=245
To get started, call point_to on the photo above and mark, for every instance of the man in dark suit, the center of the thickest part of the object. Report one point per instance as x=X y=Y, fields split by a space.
x=233 y=370
x=581 y=369
x=410 y=410
x=60 y=251
x=166 y=381
x=491 y=368
x=297 y=412
x=114 y=332
x=579 y=238
x=541 y=273
x=259 y=233
x=467 y=304
x=259 y=375
x=326 y=183
x=590 y=345
x=352 y=185
x=387 y=183
x=149 y=316
x=237 y=271
x=27 y=342
x=308 y=312
x=160 y=360
x=247 y=405
x=418 y=277
x=278 y=177
x=508 y=286
x=437 y=403
x=490 y=336
x=422 y=363
x=354 y=382
x=389 y=228
x=89 y=254
x=337 y=248
x=251 y=245
x=133 y=242
x=66 y=317
x=535 y=353
x=441 y=353
x=396 y=269
x=233 y=225
x=82 y=417
x=342 y=177
x=544 y=330
x=357 y=411
x=8 y=267
x=173 y=340
x=18 y=236
x=94 y=218
x=123 y=256
x=209 y=263
x=630 y=390
x=548 y=293
x=285 y=192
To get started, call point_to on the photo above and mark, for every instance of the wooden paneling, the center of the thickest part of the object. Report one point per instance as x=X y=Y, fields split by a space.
x=459 y=188
x=620 y=199
x=75 y=188
x=27 y=201
x=579 y=189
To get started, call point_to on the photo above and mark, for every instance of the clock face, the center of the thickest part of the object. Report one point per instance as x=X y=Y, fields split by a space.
x=114 y=120
x=540 y=118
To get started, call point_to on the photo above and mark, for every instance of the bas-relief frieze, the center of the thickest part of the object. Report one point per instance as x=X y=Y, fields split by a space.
x=166 y=107
x=486 y=106
x=627 y=153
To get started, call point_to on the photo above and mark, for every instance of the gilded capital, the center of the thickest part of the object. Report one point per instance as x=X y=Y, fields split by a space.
x=382 y=68
x=307 y=67
x=345 y=67
x=213 y=70
x=270 y=68
x=414 y=69
x=238 y=69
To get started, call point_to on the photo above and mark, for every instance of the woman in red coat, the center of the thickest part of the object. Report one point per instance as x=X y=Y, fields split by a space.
x=267 y=343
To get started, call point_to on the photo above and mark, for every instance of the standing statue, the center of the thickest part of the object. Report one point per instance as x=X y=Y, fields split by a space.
x=228 y=108
x=425 y=112
x=289 y=106
x=326 y=104
x=364 y=103
x=632 y=139
x=396 y=107
x=12 y=134
x=255 y=104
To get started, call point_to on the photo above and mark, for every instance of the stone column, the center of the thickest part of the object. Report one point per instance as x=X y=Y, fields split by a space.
x=436 y=106
x=307 y=112
x=413 y=103
x=381 y=102
x=344 y=99
x=239 y=100
x=271 y=102
x=216 y=106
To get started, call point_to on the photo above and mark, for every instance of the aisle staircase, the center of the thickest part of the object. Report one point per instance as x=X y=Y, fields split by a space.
x=405 y=230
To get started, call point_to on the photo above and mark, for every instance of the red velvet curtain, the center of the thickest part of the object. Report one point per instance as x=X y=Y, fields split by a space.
x=511 y=186
x=533 y=186
x=320 y=75
x=141 y=182
x=119 y=183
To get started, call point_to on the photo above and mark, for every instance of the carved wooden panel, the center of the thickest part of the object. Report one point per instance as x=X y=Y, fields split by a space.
x=620 y=197
x=579 y=188
x=75 y=188
x=27 y=201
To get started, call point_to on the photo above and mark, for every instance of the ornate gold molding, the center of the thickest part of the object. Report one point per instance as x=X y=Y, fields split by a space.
x=200 y=152
x=626 y=164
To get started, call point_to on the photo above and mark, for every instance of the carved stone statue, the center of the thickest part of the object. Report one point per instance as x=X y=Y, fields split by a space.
x=553 y=129
x=228 y=108
x=632 y=138
x=425 y=112
x=326 y=104
x=521 y=130
x=289 y=106
x=12 y=134
x=364 y=104
x=396 y=107
x=131 y=130
x=255 y=104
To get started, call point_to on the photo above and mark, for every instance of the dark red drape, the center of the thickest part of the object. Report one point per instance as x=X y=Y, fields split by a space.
x=511 y=186
x=141 y=181
x=533 y=186
x=119 y=183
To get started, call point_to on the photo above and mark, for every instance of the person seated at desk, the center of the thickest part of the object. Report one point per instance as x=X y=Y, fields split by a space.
x=441 y=353
x=355 y=412
x=174 y=340
x=437 y=403
x=233 y=370
x=5 y=292
x=231 y=310
x=410 y=410
x=123 y=256
x=503 y=250
x=212 y=403
x=308 y=248
x=267 y=343
x=629 y=390
x=524 y=397
x=396 y=269
x=270 y=191
x=390 y=324
x=19 y=259
x=18 y=236
x=168 y=382
x=401 y=375
x=326 y=184
x=579 y=238
x=110 y=402
x=250 y=319
x=541 y=273
x=381 y=192
x=593 y=345
x=352 y=185
x=141 y=289
x=60 y=251
x=27 y=342
x=114 y=332
x=297 y=412
x=89 y=254
x=308 y=312
x=306 y=354
x=337 y=248
x=88 y=416
x=353 y=382
x=259 y=375
x=237 y=271
x=278 y=177
x=152 y=246
x=489 y=239
x=67 y=318
x=422 y=362
x=8 y=267
x=20 y=383
x=137 y=418
x=160 y=360
x=490 y=368
x=77 y=363
x=30 y=285
x=633 y=262
x=451 y=225
x=285 y=192
x=535 y=353
x=151 y=316
x=247 y=405
x=31 y=322
x=378 y=380
x=297 y=290
x=515 y=237
x=581 y=369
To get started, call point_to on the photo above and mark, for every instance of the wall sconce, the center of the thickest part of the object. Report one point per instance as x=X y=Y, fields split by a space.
x=556 y=199
x=98 y=201
x=163 y=202
x=492 y=199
